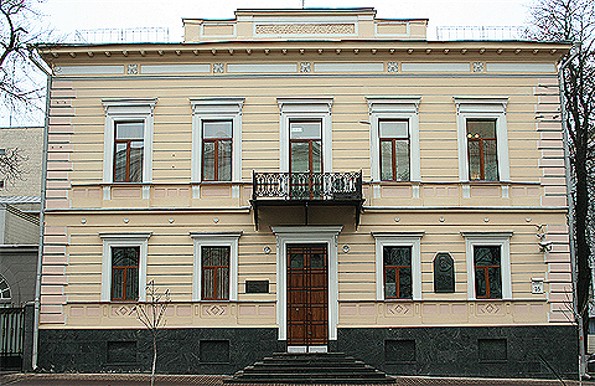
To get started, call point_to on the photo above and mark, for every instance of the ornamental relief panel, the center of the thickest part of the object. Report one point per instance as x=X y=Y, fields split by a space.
x=304 y=29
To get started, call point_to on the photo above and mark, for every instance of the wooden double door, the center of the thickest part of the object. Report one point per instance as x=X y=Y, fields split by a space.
x=307 y=294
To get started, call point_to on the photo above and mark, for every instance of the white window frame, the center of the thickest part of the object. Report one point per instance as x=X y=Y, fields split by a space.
x=489 y=239
x=217 y=109
x=128 y=110
x=132 y=239
x=215 y=239
x=305 y=108
x=493 y=108
x=2 y=298
x=390 y=239
x=395 y=108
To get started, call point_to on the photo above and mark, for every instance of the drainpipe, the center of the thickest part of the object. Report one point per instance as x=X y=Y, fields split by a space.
x=570 y=199
x=34 y=351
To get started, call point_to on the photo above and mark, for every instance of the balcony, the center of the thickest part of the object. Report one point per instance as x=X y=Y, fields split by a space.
x=307 y=190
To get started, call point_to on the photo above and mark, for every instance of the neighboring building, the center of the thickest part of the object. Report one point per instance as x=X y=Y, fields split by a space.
x=27 y=188
x=19 y=215
x=19 y=239
x=308 y=180
x=19 y=242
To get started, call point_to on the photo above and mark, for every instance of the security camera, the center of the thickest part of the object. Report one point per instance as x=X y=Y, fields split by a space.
x=546 y=245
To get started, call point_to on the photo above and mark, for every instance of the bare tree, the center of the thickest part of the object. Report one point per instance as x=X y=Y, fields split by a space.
x=574 y=21
x=21 y=85
x=12 y=162
x=152 y=315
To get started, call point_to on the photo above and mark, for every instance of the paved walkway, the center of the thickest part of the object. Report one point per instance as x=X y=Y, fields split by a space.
x=216 y=380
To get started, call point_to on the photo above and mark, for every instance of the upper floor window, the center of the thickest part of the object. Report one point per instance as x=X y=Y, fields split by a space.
x=305 y=135
x=488 y=265
x=217 y=148
x=482 y=138
x=394 y=136
x=305 y=141
x=482 y=149
x=394 y=150
x=216 y=139
x=129 y=152
x=128 y=140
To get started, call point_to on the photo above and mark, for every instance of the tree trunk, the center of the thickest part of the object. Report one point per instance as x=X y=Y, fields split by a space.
x=582 y=241
x=154 y=360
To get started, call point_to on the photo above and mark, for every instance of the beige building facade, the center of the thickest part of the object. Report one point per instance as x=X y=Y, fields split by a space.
x=308 y=180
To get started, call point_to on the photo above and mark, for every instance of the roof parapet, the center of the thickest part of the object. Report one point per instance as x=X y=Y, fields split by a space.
x=304 y=24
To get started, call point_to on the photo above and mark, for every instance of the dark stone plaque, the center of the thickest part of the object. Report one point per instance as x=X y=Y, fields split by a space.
x=257 y=286
x=444 y=273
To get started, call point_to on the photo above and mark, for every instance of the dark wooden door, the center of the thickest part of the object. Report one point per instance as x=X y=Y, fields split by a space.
x=307 y=294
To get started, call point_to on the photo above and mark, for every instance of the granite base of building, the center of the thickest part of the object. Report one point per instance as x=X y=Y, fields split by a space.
x=180 y=351
x=500 y=352
x=507 y=352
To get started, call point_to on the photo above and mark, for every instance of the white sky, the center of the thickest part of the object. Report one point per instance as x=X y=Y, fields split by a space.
x=68 y=15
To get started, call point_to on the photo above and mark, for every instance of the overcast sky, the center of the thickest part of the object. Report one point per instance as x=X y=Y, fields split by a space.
x=68 y=15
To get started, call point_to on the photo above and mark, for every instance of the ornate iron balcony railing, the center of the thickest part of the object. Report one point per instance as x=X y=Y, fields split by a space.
x=308 y=186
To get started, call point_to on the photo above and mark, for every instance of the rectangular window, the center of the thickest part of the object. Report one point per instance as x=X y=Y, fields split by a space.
x=397 y=273
x=216 y=150
x=488 y=272
x=305 y=141
x=1 y=184
x=394 y=150
x=128 y=151
x=482 y=149
x=125 y=266
x=215 y=273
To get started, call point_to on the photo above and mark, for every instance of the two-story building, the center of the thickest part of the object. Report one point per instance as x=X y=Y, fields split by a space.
x=308 y=181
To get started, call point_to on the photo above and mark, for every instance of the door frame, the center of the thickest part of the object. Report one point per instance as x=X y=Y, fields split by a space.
x=305 y=235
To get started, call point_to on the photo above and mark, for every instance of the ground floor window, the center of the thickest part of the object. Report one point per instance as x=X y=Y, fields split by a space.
x=488 y=265
x=488 y=272
x=215 y=273
x=397 y=273
x=125 y=263
x=215 y=265
x=398 y=265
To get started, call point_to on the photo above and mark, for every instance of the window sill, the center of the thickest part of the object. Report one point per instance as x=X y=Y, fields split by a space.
x=216 y=183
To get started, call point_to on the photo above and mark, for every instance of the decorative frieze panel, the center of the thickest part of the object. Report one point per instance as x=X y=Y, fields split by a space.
x=439 y=313
x=182 y=314
x=305 y=29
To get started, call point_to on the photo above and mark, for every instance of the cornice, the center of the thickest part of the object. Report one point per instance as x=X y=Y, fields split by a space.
x=222 y=49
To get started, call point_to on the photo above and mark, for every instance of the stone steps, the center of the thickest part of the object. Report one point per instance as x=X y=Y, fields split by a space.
x=329 y=368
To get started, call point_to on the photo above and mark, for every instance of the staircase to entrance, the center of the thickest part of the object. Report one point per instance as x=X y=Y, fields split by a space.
x=311 y=368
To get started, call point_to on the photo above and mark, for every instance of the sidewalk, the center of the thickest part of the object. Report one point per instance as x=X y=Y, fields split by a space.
x=72 y=379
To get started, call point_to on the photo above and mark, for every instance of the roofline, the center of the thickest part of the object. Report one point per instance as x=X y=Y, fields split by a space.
x=309 y=9
x=487 y=43
x=402 y=19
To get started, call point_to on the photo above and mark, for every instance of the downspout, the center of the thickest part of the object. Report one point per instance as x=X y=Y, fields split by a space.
x=570 y=199
x=34 y=351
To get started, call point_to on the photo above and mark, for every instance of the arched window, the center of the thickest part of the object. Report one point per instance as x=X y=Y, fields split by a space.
x=4 y=289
